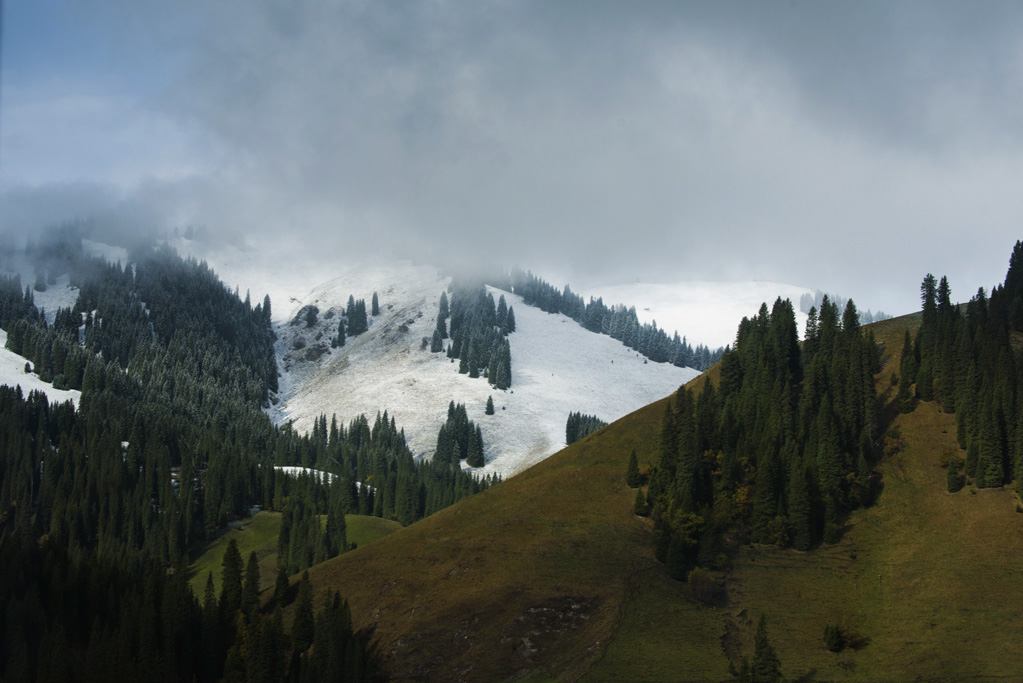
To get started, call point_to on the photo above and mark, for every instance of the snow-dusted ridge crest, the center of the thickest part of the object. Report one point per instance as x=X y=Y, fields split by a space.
x=557 y=368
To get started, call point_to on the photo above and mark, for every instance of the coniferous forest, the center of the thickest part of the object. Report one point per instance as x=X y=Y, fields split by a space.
x=963 y=357
x=578 y=425
x=777 y=453
x=478 y=329
x=103 y=505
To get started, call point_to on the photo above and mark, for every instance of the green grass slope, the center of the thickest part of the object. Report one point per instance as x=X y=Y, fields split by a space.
x=550 y=576
x=364 y=529
x=259 y=533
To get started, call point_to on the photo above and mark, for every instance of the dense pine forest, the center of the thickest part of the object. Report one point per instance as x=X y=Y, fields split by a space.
x=459 y=439
x=578 y=425
x=619 y=322
x=964 y=357
x=779 y=451
x=478 y=329
x=168 y=444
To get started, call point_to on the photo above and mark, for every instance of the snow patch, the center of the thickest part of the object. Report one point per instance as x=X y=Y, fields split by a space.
x=557 y=368
x=12 y=374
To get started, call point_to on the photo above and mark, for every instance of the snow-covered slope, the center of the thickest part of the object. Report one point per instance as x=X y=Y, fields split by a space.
x=705 y=313
x=12 y=374
x=557 y=368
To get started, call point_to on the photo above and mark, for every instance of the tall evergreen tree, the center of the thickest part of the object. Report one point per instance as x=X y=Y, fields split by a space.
x=302 y=628
x=953 y=481
x=639 y=506
x=632 y=472
x=250 y=588
x=231 y=580
x=766 y=668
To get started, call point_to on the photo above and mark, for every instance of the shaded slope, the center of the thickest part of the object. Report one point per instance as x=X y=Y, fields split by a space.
x=551 y=576
x=928 y=582
x=527 y=577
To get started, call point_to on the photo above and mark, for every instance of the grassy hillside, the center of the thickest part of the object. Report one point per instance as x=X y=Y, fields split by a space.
x=551 y=577
x=259 y=533
x=364 y=529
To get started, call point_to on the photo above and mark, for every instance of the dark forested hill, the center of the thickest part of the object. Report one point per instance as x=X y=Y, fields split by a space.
x=101 y=507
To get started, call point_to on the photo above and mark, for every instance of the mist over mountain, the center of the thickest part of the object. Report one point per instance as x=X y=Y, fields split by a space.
x=589 y=144
x=366 y=341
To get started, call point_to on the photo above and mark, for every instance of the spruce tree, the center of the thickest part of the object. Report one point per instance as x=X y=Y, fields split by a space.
x=925 y=381
x=250 y=589
x=1017 y=457
x=632 y=472
x=800 y=509
x=833 y=639
x=302 y=628
x=766 y=668
x=375 y=305
x=475 y=450
x=231 y=580
x=972 y=456
x=639 y=506
x=502 y=312
x=952 y=479
x=281 y=587
x=490 y=406
x=904 y=399
x=676 y=561
x=340 y=339
x=336 y=530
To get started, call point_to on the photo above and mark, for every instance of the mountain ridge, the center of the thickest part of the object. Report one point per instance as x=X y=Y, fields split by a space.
x=562 y=533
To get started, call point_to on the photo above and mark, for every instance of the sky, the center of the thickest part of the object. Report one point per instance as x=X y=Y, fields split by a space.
x=851 y=147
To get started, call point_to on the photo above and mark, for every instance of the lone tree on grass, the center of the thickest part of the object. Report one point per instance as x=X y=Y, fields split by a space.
x=632 y=473
x=952 y=478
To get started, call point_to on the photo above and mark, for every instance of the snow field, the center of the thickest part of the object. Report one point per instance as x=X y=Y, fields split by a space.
x=557 y=368
x=12 y=374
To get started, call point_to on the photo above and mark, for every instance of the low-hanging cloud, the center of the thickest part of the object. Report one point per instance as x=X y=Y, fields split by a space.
x=851 y=147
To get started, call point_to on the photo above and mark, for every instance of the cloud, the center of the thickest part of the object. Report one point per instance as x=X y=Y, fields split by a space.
x=852 y=147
